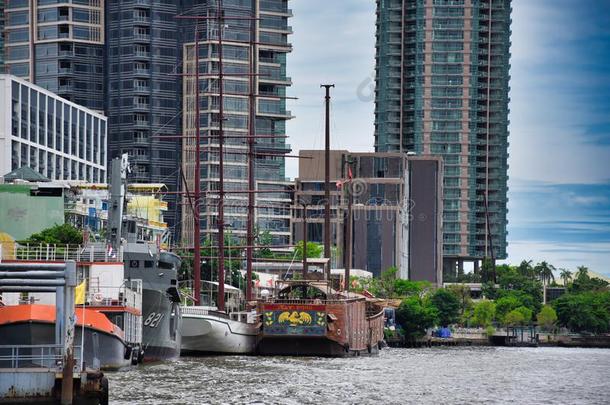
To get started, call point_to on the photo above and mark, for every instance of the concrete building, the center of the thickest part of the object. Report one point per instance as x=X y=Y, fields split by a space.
x=269 y=44
x=442 y=73
x=59 y=46
x=57 y=138
x=396 y=212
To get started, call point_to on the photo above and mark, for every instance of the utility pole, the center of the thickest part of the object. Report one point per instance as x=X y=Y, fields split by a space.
x=327 y=228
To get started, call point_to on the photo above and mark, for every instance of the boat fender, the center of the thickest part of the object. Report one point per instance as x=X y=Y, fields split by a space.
x=369 y=348
x=127 y=354
x=346 y=347
x=140 y=356
x=104 y=392
x=135 y=354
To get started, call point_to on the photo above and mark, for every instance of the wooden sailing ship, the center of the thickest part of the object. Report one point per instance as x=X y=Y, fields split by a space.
x=306 y=317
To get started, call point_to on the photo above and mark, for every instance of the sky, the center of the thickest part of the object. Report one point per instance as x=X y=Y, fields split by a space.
x=559 y=175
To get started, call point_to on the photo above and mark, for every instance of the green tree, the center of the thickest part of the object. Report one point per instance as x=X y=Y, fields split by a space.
x=527 y=314
x=314 y=250
x=484 y=313
x=584 y=283
x=588 y=311
x=64 y=234
x=264 y=239
x=505 y=305
x=406 y=288
x=462 y=293
x=415 y=315
x=447 y=306
x=514 y=318
x=547 y=317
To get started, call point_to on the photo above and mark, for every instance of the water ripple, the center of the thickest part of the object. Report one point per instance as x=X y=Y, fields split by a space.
x=396 y=376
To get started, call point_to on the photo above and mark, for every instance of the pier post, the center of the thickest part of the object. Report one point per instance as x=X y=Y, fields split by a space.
x=69 y=319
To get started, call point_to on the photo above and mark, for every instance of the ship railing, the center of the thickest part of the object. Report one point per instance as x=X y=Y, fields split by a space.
x=35 y=356
x=58 y=252
x=129 y=294
x=204 y=311
x=309 y=301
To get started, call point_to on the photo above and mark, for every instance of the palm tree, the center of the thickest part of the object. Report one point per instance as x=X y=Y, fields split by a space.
x=545 y=272
x=566 y=276
x=582 y=272
x=525 y=268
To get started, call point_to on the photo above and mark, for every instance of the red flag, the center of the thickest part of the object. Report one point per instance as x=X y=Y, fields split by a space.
x=349 y=173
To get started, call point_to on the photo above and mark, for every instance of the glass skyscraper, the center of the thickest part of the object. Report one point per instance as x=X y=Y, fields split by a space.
x=442 y=89
x=58 y=46
x=143 y=51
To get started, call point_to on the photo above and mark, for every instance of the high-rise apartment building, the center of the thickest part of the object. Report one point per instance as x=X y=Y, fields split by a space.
x=58 y=46
x=143 y=52
x=269 y=43
x=442 y=89
x=1 y=36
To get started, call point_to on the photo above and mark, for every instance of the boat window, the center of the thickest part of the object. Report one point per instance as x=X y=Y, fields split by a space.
x=148 y=264
x=134 y=264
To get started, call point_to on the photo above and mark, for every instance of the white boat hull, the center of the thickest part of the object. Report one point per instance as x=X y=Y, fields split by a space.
x=204 y=332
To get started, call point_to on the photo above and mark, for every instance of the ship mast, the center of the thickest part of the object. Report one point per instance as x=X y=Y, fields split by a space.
x=197 y=187
x=221 y=190
x=251 y=174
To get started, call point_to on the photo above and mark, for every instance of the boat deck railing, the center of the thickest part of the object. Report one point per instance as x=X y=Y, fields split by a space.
x=58 y=252
x=309 y=301
x=127 y=295
x=203 y=311
x=35 y=356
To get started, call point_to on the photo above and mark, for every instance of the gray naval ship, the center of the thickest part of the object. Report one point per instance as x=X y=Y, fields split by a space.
x=158 y=270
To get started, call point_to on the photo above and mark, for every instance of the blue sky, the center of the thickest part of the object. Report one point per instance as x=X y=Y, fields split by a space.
x=559 y=199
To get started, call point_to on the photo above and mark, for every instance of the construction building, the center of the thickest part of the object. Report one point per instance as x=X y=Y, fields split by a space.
x=442 y=84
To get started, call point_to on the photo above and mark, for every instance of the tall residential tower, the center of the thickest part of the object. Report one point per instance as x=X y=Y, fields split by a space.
x=144 y=90
x=259 y=28
x=442 y=89
x=58 y=46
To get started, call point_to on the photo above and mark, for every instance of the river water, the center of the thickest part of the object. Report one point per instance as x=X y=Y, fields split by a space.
x=439 y=375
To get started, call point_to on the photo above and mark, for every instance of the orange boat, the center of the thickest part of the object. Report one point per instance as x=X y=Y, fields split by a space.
x=310 y=319
x=34 y=324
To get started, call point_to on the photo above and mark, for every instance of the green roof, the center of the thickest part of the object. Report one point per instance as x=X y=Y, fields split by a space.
x=25 y=173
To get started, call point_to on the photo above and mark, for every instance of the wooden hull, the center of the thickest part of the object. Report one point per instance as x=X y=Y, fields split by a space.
x=315 y=347
x=337 y=328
